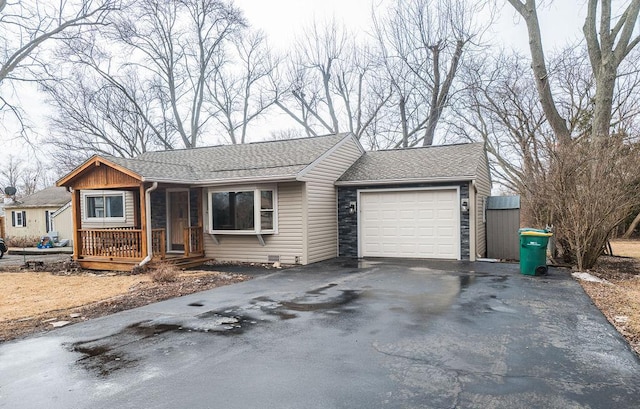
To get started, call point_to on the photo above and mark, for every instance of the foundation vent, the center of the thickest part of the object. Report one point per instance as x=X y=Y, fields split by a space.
x=273 y=258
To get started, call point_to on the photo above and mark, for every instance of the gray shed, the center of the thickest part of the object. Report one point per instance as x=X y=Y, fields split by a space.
x=503 y=222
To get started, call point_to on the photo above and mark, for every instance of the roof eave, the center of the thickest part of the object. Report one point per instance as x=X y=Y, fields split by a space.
x=405 y=181
x=225 y=181
x=28 y=206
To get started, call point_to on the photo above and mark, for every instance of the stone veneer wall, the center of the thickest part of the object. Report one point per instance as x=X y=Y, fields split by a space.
x=348 y=223
x=159 y=209
x=193 y=202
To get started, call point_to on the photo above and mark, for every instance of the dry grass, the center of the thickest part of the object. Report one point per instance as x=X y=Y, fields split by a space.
x=626 y=248
x=31 y=301
x=620 y=303
x=29 y=294
x=619 y=300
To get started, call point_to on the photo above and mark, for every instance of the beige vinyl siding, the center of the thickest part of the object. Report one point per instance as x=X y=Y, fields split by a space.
x=36 y=222
x=129 y=212
x=286 y=243
x=321 y=208
x=483 y=184
x=63 y=224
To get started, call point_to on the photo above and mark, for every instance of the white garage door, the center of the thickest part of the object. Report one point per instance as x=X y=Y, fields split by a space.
x=410 y=223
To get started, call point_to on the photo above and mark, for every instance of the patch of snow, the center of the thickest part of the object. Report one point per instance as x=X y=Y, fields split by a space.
x=622 y=319
x=588 y=277
x=59 y=324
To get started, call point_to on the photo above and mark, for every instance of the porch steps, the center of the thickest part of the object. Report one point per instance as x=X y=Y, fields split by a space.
x=184 y=263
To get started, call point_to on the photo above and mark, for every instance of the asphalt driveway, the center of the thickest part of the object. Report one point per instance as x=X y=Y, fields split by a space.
x=380 y=334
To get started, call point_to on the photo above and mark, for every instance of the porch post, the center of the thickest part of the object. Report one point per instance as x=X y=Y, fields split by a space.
x=200 y=210
x=77 y=223
x=200 y=221
x=143 y=221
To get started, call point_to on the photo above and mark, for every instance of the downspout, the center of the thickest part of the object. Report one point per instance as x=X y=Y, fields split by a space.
x=147 y=203
x=475 y=219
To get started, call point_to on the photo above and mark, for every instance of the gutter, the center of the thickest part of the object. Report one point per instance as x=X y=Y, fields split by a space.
x=147 y=203
x=371 y=182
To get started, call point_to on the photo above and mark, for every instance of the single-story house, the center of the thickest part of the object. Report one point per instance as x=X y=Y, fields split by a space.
x=36 y=215
x=294 y=201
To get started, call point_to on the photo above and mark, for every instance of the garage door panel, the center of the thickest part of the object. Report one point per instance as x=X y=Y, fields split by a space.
x=425 y=232
x=417 y=224
x=445 y=232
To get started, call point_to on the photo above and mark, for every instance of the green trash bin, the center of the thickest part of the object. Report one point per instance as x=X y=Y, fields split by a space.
x=533 y=251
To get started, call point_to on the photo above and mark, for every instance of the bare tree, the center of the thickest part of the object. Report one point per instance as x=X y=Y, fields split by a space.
x=27 y=179
x=28 y=25
x=143 y=82
x=422 y=44
x=332 y=83
x=10 y=172
x=242 y=90
x=588 y=170
x=607 y=46
x=94 y=115
x=499 y=106
x=181 y=45
x=585 y=208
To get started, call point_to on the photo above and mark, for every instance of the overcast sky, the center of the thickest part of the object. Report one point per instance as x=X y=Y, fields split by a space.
x=561 y=23
x=281 y=19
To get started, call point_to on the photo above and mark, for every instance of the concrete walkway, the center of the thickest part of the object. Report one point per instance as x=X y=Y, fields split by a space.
x=381 y=334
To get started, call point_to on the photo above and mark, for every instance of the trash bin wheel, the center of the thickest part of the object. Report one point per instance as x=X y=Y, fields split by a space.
x=542 y=270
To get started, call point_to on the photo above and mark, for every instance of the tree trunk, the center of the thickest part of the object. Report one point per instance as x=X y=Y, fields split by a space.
x=529 y=13
x=631 y=228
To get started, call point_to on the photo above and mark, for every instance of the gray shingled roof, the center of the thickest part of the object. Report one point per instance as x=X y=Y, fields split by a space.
x=49 y=197
x=430 y=163
x=261 y=159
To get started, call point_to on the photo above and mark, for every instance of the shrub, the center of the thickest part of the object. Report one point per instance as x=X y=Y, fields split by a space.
x=28 y=241
x=164 y=273
x=589 y=187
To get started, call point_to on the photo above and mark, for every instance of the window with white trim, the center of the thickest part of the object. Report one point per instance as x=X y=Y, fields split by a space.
x=104 y=206
x=245 y=211
x=19 y=219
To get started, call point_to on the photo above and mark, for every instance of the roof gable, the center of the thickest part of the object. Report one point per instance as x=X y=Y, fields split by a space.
x=99 y=172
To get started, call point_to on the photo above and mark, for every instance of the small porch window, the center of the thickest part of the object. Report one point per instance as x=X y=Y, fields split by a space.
x=104 y=206
x=247 y=211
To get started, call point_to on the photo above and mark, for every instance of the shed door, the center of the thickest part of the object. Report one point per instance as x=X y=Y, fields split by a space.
x=410 y=224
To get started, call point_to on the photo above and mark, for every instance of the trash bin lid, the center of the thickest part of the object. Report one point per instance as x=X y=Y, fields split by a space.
x=536 y=233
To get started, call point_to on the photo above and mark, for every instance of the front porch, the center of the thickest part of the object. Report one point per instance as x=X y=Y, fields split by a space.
x=120 y=249
x=120 y=221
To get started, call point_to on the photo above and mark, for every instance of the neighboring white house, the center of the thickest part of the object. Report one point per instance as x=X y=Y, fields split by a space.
x=34 y=216
x=3 y=222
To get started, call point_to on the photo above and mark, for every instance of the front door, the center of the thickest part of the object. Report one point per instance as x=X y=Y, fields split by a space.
x=179 y=218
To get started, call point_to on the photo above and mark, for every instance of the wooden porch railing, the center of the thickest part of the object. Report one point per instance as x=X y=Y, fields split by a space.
x=193 y=241
x=126 y=243
x=159 y=243
x=116 y=243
